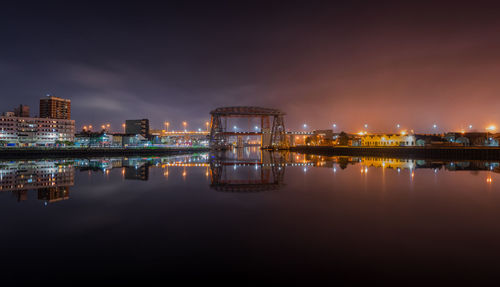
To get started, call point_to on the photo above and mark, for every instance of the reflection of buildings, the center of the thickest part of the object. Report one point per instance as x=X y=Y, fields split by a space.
x=53 y=194
x=138 y=173
x=51 y=179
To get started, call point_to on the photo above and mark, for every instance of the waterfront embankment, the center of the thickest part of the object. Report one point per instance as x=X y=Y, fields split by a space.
x=30 y=153
x=466 y=153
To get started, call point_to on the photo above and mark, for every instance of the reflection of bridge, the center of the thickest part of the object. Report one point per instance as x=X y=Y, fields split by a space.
x=266 y=173
x=272 y=135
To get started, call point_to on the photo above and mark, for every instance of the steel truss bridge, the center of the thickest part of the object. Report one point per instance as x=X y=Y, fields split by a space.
x=272 y=126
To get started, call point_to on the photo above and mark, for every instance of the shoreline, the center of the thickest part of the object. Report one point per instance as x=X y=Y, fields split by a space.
x=39 y=153
x=466 y=153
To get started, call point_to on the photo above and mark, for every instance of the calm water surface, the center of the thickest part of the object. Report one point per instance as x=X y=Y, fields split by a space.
x=249 y=217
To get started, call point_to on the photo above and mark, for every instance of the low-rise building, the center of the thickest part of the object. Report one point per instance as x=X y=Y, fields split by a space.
x=388 y=140
x=93 y=139
x=472 y=138
x=27 y=131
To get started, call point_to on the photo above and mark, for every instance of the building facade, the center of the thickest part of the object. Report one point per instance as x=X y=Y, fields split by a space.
x=137 y=127
x=388 y=140
x=25 y=131
x=55 y=108
x=22 y=111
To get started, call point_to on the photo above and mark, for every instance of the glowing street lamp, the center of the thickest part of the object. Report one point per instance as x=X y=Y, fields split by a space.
x=184 y=124
x=206 y=124
x=90 y=127
x=123 y=125
x=398 y=126
x=305 y=126
x=491 y=128
x=470 y=127
x=166 y=125
x=366 y=126
x=334 y=126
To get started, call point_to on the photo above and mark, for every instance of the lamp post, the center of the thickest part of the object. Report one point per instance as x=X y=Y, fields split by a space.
x=166 y=125
x=206 y=124
x=124 y=126
x=184 y=124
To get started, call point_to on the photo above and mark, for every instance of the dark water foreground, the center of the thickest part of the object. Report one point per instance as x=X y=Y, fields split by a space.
x=249 y=218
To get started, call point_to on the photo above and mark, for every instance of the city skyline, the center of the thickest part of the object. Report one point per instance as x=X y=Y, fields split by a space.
x=340 y=63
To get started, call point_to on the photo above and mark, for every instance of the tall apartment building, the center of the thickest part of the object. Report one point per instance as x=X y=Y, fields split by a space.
x=55 y=108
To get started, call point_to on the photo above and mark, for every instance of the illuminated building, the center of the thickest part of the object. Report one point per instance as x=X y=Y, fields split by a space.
x=55 y=108
x=388 y=140
x=25 y=131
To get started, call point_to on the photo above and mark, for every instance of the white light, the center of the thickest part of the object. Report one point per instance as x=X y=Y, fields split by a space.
x=434 y=126
x=256 y=127
x=470 y=126
x=305 y=125
x=398 y=126
x=334 y=125
x=366 y=126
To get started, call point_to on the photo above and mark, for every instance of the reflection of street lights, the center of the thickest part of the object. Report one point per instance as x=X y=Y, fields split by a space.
x=489 y=129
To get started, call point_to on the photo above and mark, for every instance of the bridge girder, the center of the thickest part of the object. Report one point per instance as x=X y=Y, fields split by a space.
x=271 y=136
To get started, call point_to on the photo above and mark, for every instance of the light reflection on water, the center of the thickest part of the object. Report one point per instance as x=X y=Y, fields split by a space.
x=266 y=217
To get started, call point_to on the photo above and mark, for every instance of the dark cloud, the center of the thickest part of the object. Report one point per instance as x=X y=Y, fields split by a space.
x=348 y=62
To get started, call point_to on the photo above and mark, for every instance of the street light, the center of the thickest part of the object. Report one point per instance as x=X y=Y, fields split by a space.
x=123 y=125
x=305 y=126
x=184 y=124
x=334 y=126
x=166 y=125
x=90 y=127
x=398 y=126
x=366 y=126
x=470 y=127
x=206 y=124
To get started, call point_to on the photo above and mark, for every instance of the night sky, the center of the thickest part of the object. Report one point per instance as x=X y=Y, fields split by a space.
x=324 y=62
